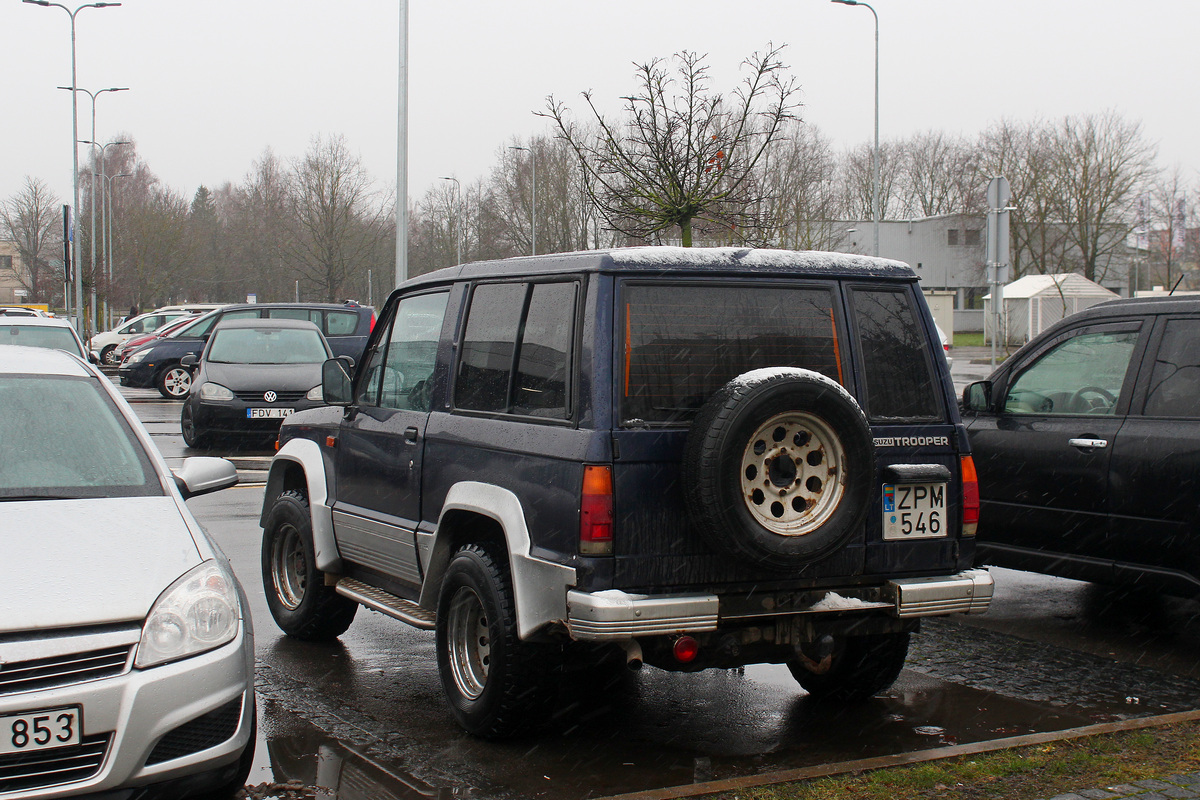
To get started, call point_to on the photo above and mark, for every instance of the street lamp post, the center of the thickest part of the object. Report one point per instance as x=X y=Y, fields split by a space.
x=457 y=215
x=533 y=199
x=74 y=145
x=92 y=204
x=103 y=167
x=107 y=223
x=875 y=211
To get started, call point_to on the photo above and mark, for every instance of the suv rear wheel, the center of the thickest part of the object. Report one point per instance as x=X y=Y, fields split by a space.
x=302 y=605
x=779 y=468
x=860 y=667
x=491 y=678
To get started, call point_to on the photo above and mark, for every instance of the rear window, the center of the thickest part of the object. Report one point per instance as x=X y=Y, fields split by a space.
x=683 y=343
x=900 y=384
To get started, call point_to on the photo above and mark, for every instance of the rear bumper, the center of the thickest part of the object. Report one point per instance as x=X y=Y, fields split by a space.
x=616 y=615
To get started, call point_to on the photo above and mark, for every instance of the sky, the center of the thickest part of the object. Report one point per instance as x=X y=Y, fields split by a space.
x=213 y=84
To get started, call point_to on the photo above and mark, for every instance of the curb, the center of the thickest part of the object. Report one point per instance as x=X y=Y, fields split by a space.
x=902 y=759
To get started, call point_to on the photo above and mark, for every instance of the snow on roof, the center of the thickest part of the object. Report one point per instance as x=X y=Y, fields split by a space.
x=1070 y=284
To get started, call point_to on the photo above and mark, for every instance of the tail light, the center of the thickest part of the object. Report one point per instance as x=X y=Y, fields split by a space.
x=970 y=491
x=685 y=649
x=595 y=512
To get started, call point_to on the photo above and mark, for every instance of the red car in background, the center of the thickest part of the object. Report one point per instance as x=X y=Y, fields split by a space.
x=133 y=344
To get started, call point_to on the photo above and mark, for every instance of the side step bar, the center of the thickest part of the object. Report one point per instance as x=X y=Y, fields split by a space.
x=387 y=603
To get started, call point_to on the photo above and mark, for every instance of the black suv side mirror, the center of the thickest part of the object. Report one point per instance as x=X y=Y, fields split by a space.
x=977 y=397
x=189 y=360
x=336 y=383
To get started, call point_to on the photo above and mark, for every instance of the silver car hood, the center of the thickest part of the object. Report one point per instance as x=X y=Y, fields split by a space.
x=87 y=562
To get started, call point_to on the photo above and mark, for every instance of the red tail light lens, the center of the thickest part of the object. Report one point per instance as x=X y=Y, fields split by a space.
x=685 y=649
x=595 y=512
x=970 y=497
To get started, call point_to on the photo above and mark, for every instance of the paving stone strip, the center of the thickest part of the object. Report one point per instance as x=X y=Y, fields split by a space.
x=1176 y=786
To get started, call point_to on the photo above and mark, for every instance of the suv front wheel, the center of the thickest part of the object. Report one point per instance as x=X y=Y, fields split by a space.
x=491 y=678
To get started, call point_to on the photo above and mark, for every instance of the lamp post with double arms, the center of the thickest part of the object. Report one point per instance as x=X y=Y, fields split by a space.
x=74 y=145
x=875 y=210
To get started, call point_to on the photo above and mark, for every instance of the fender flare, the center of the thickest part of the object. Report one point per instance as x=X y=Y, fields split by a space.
x=305 y=454
x=539 y=586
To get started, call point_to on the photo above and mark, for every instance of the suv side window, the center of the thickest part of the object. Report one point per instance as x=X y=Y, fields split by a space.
x=340 y=323
x=516 y=349
x=1081 y=375
x=683 y=343
x=399 y=367
x=1175 y=382
x=900 y=383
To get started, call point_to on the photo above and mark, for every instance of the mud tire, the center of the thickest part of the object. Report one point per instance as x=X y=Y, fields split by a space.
x=862 y=667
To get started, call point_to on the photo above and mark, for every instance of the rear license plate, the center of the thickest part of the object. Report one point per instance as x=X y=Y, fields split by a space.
x=267 y=413
x=40 y=730
x=914 y=510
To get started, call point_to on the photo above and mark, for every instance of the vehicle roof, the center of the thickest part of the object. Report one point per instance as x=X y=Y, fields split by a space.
x=18 y=359
x=1146 y=305
x=261 y=324
x=44 y=322
x=680 y=260
x=313 y=306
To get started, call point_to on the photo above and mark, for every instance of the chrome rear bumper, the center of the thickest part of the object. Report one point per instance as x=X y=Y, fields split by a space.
x=615 y=615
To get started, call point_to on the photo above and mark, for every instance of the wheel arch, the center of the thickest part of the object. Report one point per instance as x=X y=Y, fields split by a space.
x=481 y=513
x=300 y=465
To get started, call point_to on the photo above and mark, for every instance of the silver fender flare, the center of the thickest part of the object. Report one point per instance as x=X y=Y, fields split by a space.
x=306 y=454
x=539 y=586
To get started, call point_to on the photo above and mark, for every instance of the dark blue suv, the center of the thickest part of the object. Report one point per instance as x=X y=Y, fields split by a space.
x=156 y=364
x=687 y=458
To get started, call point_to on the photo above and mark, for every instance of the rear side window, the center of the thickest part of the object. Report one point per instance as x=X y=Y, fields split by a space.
x=899 y=380
x=683 y=343
x=340 y=323
x=1175 y=382
x=516 y=349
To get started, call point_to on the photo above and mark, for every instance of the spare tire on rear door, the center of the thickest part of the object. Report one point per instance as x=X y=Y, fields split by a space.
x=779 y=467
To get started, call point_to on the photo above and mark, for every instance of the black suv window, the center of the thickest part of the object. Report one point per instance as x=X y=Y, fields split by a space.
x=516 y=349
x=400 y=364
x=682 y=343
x=1175 y=383
x=1080 y=375
x=899 y=377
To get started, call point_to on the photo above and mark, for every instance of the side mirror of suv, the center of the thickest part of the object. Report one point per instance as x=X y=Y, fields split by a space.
x=977 y=397
x=189 y=361
x=336 y=383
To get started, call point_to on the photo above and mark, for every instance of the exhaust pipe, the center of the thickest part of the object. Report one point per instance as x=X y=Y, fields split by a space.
x=633 y=654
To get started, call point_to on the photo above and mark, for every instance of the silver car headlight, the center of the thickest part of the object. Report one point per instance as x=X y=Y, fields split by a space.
x=315 y=393
x=198 y=612
x=215 y=391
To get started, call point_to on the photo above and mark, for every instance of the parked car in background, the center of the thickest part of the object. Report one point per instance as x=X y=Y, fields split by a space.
x=22 y=311
x=157 y=364
x=125 y=639
x=690 y=458
x=251 y=374
x=130 y=345
x=104 y=345
x=1087 y=446
x=41 y=331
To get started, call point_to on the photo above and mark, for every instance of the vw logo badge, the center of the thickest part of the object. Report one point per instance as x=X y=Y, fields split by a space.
x=270 y=397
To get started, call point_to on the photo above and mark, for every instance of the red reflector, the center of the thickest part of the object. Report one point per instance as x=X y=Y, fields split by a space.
x=686 y=649
x=970 y=484
x=330 y=441
x=595 y=511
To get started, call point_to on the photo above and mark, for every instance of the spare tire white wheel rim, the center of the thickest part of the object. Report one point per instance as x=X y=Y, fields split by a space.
x=791 y=473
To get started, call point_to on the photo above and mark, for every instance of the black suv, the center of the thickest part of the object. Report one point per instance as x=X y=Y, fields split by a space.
x=156 y=364
x=689 y=458
x=1087 y=442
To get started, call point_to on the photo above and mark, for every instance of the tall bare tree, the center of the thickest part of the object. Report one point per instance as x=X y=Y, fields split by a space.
x=339 y=217
x=32 y=218
x=682 y=155
x=801 y=191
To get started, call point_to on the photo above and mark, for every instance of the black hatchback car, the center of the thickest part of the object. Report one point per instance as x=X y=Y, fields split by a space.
x=252 y=374
x=1087 y=447
x=156 y=364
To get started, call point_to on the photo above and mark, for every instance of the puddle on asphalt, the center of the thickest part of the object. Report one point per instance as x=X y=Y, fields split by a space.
x=673 y=730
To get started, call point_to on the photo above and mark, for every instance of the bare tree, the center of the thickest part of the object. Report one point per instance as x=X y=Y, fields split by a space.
x=800 y=189
x=683 y=155
x=856 y=175
x=32 y=218
x=258 y=214
x=937 y=176
x=1163 y=211
x=339 y=217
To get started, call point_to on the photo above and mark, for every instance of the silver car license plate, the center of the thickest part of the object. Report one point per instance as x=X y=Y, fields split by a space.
x=40 y=730
x=267 y=413
x=914 y=511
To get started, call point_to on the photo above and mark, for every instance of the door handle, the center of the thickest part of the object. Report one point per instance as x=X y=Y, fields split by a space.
x=1089 y=444
x=410 y=434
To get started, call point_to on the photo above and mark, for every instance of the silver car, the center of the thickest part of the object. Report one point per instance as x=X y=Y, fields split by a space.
x=126 y=652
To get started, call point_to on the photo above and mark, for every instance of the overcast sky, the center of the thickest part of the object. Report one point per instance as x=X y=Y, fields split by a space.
x=215 y=83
